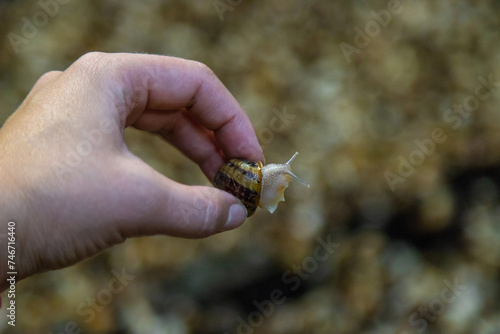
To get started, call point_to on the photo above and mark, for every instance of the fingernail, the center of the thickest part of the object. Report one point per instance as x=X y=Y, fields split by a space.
x=236 y=217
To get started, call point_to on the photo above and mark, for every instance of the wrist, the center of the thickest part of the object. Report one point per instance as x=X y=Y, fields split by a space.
x=14 y=219
x=7 y=215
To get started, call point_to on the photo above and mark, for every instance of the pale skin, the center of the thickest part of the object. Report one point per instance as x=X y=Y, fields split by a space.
x=66 y=215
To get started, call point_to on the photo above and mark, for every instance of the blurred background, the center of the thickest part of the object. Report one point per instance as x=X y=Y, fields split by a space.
x=394 y=107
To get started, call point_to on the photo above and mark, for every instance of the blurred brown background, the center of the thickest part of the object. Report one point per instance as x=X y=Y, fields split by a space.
x=394 y=108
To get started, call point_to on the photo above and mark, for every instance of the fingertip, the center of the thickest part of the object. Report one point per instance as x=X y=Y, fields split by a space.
x=204 y=211
x=236 y=216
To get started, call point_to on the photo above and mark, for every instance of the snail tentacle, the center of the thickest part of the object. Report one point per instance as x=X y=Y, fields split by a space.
x=289 y=172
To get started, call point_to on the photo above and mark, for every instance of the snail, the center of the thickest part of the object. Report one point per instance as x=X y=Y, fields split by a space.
x=254 y=184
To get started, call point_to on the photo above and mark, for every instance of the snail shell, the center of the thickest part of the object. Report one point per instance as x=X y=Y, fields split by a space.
x=254 y=184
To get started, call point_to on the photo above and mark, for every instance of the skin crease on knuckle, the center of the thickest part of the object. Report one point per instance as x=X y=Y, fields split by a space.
x=93 y=62
x=212 y=219
x=214 y=216
x=99 y=71
x=204 y=212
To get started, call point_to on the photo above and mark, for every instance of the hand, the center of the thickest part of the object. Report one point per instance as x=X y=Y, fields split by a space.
x=72 y=186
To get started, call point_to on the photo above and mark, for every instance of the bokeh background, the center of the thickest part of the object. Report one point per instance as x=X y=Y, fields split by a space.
x=405 y=185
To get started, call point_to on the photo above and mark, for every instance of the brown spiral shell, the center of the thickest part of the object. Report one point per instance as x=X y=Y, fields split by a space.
x=243 y=179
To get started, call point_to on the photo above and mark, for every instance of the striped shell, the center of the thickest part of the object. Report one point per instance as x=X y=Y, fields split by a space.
x=243 y=179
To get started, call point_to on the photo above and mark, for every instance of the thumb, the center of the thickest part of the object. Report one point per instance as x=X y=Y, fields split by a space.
x=168 y=207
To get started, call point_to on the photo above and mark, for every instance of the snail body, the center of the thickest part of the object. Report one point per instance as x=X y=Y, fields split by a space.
x=255 y=184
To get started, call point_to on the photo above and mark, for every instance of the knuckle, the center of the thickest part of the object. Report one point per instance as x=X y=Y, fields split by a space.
x=94 y=63
x=211 y=217
x=50 y=75
x=205 y=69
x=91 y=57
x=47 y=78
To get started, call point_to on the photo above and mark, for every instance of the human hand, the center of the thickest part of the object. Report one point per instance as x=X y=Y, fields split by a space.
x=72 y=186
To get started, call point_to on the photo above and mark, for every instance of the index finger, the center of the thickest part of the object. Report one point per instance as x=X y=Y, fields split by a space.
x=174 y=83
